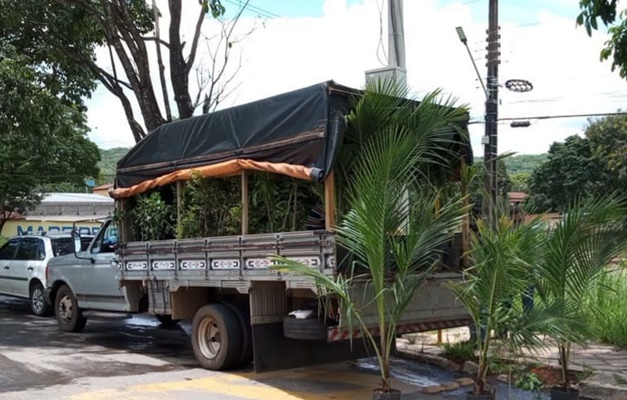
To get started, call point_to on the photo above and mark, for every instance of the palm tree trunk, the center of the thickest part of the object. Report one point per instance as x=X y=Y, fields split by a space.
x=564 y=350
x=385 y=364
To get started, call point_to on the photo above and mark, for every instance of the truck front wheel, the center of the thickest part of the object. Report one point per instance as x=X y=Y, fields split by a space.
x=216 y=337
x=69 y=316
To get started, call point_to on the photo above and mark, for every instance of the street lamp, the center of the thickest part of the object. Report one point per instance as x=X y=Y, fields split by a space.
x=464 y=40
x=490 y=180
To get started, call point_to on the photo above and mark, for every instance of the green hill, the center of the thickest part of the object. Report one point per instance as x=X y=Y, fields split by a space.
x=521 y=164
x=108 y=161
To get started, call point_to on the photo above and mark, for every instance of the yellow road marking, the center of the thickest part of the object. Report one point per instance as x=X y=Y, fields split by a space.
x=283 y=385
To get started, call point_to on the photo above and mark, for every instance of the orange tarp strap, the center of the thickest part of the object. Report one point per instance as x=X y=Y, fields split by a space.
x=226 y=168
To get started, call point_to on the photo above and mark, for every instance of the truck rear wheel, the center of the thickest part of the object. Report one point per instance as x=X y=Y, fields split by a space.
x=243 y=315
x=69 y=316
x=216 y=337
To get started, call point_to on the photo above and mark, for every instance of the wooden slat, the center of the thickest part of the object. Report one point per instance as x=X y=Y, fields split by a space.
x=245 y=203
x=179 y=202
x=329 y=201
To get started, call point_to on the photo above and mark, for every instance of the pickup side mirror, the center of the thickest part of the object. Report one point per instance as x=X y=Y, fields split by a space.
x=76 y=237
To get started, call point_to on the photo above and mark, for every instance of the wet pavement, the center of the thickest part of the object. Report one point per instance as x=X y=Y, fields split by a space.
x=141 y=359
x=423 y=375
x=34 y=353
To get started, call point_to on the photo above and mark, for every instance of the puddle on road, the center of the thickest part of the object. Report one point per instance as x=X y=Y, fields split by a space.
x=421 y=374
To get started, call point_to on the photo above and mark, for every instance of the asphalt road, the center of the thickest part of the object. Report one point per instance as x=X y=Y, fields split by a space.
x=140 y=359
x=34 y=353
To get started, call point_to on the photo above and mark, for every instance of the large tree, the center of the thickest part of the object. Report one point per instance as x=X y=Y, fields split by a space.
x=606 y=10
x=572 y=170
x=43 y=138
x=64 y=35
x=608 y=138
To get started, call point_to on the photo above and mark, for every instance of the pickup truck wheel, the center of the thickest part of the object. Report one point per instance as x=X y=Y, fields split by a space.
x=38 y=304
x=69 y=316
x=216 y=337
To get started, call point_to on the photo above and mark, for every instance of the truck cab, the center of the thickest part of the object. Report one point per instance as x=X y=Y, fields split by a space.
x=86 y=280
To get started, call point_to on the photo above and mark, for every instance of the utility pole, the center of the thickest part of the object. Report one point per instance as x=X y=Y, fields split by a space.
x=491 y=111
x=396 y=47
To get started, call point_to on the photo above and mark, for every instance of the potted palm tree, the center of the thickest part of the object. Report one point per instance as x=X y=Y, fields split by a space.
x=503 y=260
x=576 y=253
x=391 y=227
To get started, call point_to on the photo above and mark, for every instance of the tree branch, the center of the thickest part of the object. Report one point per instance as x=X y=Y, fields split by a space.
x=164 y=87
x=157 y=40
x=192 y=55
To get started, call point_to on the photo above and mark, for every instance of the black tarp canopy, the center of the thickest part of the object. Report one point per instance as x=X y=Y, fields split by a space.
x=296 y=133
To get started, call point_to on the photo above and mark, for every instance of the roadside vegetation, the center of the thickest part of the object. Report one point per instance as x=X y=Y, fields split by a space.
x=606 y=309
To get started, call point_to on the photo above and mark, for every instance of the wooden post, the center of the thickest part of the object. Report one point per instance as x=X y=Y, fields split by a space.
x=329 y=201
x=439 y=336
x=245 y=199
x=179 y=203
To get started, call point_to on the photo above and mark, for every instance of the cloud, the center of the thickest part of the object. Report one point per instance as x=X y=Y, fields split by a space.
x=289 y=53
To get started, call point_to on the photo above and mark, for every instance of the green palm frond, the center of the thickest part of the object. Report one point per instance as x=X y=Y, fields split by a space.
x=391 y=228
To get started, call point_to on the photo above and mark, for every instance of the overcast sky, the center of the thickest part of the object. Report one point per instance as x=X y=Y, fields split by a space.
x=297 y=43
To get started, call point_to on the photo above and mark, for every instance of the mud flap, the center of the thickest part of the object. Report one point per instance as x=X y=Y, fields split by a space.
x=272 y=351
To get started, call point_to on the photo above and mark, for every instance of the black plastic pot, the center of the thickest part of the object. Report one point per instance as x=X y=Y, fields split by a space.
x=559 y=393
x=391 y=395
x=485 y=396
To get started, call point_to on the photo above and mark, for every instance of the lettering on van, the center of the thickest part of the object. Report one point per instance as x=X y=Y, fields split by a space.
x=39 y=229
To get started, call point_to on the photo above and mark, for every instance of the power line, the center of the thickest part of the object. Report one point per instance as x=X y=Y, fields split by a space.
x=262 y=12
x=554 y=117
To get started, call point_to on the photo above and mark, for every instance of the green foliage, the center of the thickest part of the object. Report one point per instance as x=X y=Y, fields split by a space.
x=211 y=207
x=153 y=218
x=108 y=162
x=606 y=11
x=606 y=310
x=279 y=203
x=459 y=351
x=477 y=185
x=503 y=257
x=394 y=243
x=574 y=255
x=44 y=139
x=520 y=182
x=520 y=163
x=572 y=170
x=529 y=381
x=3 y=240
x=608 y=141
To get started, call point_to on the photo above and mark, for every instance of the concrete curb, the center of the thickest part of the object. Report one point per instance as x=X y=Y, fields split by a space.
x=604 y=386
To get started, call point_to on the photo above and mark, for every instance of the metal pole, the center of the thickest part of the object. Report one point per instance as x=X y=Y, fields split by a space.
x=491 y=110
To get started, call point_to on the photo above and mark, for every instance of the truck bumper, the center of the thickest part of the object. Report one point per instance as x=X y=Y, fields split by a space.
x=48 y=295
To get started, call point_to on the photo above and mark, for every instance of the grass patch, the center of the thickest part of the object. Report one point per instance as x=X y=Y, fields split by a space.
x=607 y=311
x=459 y=351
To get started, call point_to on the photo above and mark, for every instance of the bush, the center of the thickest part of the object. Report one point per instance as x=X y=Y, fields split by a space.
x=607 y=312
x=154 y=218
x=459 y=351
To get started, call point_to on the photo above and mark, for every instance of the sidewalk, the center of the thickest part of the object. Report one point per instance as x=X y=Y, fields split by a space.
x=607 y=365
x=595 y=357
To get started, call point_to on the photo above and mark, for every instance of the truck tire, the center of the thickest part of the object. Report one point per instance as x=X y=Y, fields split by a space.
x=216 y=337
x=38 y=305
x=69 y=316
x=243 y=316
x=304 y=329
